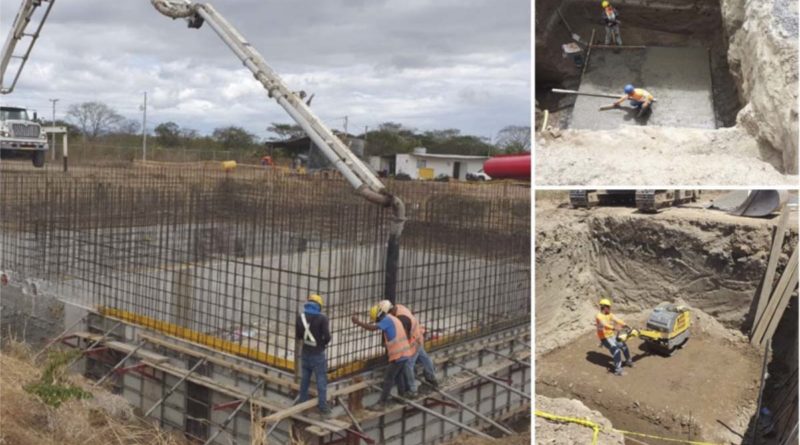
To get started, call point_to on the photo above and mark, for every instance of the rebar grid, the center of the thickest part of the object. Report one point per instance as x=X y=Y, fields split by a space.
x=227 y=259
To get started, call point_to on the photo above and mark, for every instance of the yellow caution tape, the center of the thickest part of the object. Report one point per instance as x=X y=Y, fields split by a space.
x=690 y=442
x=597 y=428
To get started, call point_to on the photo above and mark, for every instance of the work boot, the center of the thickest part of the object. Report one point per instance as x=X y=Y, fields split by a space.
x=433 y=382
x=619 y=372
x=629 y=363
x=326 y=413
x=410 y=395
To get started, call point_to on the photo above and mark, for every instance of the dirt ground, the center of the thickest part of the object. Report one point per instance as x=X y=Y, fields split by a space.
x=666 y=396
x=642 y=156
x=551 y=432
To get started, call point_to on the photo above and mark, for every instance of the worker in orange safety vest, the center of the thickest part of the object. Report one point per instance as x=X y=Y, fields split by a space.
x=398 y=350
x=607 y=325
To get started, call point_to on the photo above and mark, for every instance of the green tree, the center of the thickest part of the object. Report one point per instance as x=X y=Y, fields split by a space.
x=285 y=131
x=168 y=134
x=234 y=137
x=514 y=139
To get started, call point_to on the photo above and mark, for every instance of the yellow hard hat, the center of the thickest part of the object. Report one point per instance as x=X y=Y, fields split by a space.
x=604 y=4
x=316 y=299
x=605 y=302
x=374 y=311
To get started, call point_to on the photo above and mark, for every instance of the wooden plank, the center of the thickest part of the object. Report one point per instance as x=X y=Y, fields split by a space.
x=772 y=264
x=125 y=347
x=782 y=295
x=308 y=404
x=770 y=309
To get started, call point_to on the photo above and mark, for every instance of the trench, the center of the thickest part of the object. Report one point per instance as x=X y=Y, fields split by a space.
x=711 y=262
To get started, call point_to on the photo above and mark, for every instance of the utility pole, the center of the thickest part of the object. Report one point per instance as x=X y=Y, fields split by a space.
x=144 y=128
x=53 y=123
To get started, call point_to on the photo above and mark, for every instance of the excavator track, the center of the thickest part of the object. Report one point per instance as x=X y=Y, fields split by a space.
x=651 y=201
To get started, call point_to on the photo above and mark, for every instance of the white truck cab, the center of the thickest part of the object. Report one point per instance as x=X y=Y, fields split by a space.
x=21 y=136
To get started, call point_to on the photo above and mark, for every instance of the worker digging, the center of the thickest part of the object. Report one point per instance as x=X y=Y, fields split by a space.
x=608 y=325
x=312 y=328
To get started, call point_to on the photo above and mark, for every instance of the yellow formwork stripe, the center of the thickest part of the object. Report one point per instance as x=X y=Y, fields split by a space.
x=236 y=349
x=585 y=422
x=597 y=428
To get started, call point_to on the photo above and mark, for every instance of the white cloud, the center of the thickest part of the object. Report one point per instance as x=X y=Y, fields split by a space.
x=426 y=63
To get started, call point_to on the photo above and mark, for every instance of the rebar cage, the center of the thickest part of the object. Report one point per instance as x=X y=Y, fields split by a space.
x=228 y=259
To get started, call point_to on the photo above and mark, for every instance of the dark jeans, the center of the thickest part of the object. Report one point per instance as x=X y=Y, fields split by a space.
x=390 y=376
x=317 y=364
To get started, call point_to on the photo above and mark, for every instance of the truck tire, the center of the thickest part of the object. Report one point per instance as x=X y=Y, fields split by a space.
x=38 y=158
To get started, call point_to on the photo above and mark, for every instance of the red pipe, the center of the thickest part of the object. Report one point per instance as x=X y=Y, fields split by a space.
x=509 y=167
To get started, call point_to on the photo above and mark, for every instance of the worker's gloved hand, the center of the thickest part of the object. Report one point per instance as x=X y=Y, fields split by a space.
x=354 y=319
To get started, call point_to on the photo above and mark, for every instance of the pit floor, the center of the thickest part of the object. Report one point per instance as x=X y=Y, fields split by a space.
x=678 y=77
x=708 y=383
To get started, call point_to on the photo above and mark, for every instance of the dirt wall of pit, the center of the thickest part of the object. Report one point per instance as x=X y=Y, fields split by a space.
x=714 y=264
x=762 y=53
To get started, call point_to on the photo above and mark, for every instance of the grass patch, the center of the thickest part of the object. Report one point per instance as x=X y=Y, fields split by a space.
x=52 y=387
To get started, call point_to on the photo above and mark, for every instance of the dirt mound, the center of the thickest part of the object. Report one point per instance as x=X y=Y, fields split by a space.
x=763 y=59
x=549 y=432
x=711 y=261
x=102 y=419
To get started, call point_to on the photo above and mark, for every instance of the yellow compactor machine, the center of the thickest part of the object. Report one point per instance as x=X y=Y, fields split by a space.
x=667 y=329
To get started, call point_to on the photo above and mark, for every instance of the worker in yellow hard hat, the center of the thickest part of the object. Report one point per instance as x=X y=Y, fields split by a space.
x=312 y=328
x=640 y=99
x=611 y=22
x=398 y=350
x=607 y=325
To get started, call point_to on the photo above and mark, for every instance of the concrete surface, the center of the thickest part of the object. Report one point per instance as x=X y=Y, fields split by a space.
x=679 y=78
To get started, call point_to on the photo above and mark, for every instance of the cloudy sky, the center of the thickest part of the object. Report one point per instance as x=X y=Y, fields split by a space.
x=429 y=64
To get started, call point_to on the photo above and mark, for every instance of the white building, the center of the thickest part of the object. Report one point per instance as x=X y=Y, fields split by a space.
x=423 y=165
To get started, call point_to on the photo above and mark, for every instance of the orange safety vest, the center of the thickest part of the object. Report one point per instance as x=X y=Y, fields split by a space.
x=610 y=13
x=640 y=95
x=398 y=348
x=417 y=331
x=605 y=325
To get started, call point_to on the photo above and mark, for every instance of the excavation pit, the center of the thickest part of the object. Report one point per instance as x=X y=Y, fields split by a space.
x=724 y=75
x=710 y=261
x=679 y=78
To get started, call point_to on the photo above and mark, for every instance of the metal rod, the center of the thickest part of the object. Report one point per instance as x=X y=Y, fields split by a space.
x=233 y=414
x=580 y=93
x=174 y=387
x=493 y=380
x=57 y=338
x=119 y=364
x=619 y=47
x=588 y=55
x=508 y=357
x=441 y=416
x=474 y=411
x=95 y=343
x=349 y=414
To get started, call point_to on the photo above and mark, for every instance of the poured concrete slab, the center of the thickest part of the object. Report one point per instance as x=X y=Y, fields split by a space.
x=679 y=78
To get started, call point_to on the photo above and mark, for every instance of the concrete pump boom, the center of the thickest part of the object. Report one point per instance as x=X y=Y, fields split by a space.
x=23 y=18
x=354 y=171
